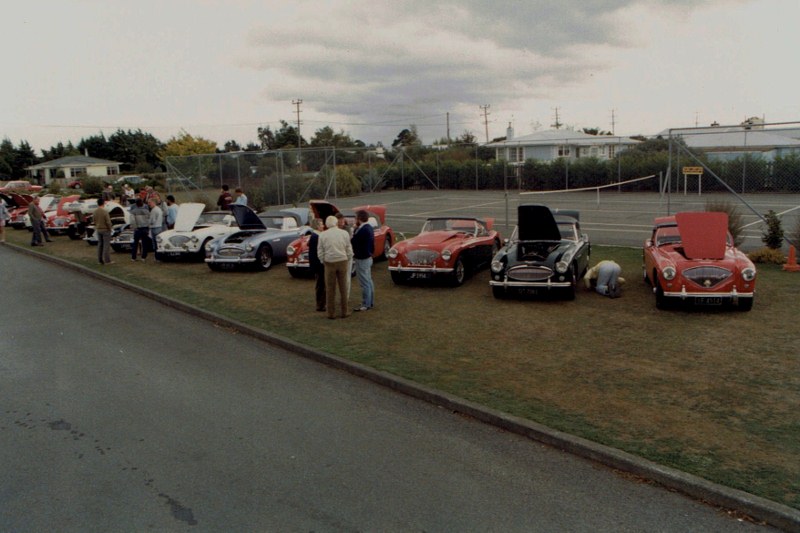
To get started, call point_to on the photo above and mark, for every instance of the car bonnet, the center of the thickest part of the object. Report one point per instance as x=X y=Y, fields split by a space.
x=323 y=209
x=703 y=234
x=188 y=214
x=246 y=218
x=536 y=223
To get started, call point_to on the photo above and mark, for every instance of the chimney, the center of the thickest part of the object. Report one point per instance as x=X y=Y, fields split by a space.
x=509 y=132
x=86 y=152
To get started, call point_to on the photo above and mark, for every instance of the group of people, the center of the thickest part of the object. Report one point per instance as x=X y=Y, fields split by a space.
x=226 y=199
x=332 y=248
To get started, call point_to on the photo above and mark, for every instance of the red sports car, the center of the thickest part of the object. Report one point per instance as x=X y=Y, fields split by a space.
x=297 y=251
x=17 y=205
x=690 y=258
x=59 y=220
x=447 y=246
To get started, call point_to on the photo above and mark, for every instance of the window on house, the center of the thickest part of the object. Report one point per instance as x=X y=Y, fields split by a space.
x=594 y=151
x=563 y=151
x=611 y=151
x=77 y=172
x=111 y=171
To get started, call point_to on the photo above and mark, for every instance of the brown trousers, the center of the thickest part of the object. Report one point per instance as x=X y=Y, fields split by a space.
x=336 y=274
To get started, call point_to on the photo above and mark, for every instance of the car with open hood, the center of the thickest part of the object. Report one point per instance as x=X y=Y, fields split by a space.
x=57 y=218
x=690 y=257
x=17 y=205
x=446 y=247
x=297 y=252
x=193 y=230
x=546 y=255
x=120 y=218
x=261 y=240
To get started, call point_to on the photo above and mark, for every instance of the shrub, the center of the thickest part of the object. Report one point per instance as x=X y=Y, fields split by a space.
x=92 y=186
x=735 y=222
x=54 y=187
x=767 y=255
x=773 y=237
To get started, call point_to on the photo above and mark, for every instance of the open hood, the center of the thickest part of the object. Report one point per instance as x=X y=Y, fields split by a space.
x=322 y=209
x=13 y=199
x=188 y=214
x=60 y=211
x=245 y=217
x=536 y=223
x=379 y=210
x=703 y=234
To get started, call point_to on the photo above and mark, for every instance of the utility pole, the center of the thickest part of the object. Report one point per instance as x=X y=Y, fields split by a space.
x=297 y=103
x=613 y=122
x=557 y=124
x=448 y=128
x=486 y=120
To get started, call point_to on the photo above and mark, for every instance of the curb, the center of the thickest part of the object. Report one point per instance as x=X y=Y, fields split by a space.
x=758 y=508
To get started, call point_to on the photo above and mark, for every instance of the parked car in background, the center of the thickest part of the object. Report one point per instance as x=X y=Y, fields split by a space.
x=120 y=217
x=81 y=211
x=75 y=184
x=691 y=258
x=297 y=252
x=17 y=205
x=261 y=240
x=57 y=220
x=546 y=254
x=131 y=180
x=193 y=230
x=20 y=186
x=450 y=247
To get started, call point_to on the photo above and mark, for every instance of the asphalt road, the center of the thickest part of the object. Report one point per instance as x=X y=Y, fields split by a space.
x=121 y=414
x=611 y=218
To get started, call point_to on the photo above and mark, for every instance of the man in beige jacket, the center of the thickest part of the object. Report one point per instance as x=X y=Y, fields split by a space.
x=335 y=252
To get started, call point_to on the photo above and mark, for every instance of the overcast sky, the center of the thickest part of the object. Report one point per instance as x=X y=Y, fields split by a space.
x=219 y=69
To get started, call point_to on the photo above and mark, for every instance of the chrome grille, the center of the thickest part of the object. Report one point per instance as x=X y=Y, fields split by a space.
x=529 y=273
x=707 y=276
x=422 y=257
x=178 y=240
x=230 y=252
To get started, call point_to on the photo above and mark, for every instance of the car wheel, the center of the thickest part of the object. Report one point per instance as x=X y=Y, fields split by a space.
x=117 y=248
x=264 y=257
x=499 y=292
x=459 y=273
x=399 y=278
x=215 y=267
x=75 y=232
x=387 y=245
x=746 y=304
x=295 y=273
x=661 y=300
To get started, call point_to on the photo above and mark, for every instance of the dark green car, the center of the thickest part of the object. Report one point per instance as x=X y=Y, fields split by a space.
x=546 y=254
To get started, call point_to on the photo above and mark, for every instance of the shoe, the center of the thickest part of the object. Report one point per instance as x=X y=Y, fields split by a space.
x=109 y=262
x=346 y=315
x=362 y=308
x=133 y=260
x=331 y=317
x=321 y=309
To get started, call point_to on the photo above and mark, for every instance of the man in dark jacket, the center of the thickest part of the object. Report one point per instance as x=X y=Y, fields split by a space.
x=363 y=247
x=316 y=265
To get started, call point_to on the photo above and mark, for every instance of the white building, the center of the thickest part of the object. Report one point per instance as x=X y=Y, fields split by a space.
x=72 y=167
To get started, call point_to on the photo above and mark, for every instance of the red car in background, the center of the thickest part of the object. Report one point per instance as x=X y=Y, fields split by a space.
x=691 y=258
x=450 y=247
x=297 y=251
x=58 y=221
x=17 y=205
x=20 y=186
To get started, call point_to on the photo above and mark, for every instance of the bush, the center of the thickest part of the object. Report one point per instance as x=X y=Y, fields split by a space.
x=767 y=255
x=735 y=222
x=92 y=186
x=54 y=187
x=773 y=237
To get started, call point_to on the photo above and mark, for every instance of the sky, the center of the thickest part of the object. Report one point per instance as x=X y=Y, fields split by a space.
x=219 y=69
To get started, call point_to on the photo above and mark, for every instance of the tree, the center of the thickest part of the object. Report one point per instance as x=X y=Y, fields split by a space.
x=325 y=136
x=407 y=137
x=96 y=146
x=596 y=131
x=186 y=144
x=59 y=150
x=232 y=146
x=267 y=138
x=137 y=150
x=287 y=137
x=467 y=138
x=24 y=157
x=773 y=236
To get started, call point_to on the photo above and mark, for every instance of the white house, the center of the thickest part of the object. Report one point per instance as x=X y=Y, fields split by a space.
x=72 y=167
x=731 y=142
x=553 y=144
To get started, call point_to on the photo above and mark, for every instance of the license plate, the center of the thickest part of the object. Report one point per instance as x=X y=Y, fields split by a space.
x=529 y=291
x=708 y=300
x=173 y=254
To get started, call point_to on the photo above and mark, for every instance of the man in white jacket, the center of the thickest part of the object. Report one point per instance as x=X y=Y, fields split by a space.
x=335 y=252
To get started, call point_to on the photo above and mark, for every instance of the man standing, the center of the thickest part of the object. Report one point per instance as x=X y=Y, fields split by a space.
x=225 y=199
x=102 y=227
x=140 y=224
x=156 y=223
x=36 y=215
x=172 y=212
x=316 y=266
x=335 y=252
x=363 y=246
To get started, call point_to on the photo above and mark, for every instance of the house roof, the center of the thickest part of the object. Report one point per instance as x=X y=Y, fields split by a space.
x=552 y=137
x=73 y=161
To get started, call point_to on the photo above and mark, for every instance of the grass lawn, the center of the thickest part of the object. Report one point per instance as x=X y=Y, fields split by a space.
x=716 y=394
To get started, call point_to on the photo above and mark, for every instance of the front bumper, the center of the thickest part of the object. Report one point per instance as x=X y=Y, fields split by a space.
x=548 y=284
x=410 y=269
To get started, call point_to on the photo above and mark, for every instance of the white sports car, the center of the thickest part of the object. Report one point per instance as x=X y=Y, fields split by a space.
x=193 y=230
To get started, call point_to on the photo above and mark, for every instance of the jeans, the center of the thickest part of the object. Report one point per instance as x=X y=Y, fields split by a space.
x=140 y=235
x=364 y=274
x=104 y=246
x=153 y=234
x=607 y=277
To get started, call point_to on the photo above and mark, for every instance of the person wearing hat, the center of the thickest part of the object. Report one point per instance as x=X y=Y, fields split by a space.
x=335 y=252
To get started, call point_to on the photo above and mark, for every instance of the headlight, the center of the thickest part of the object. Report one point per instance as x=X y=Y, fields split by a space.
x=393 y=253
x=194 y=238
x=209 y=247
x=668 y=273
x=248 y=247
x=290 y=250
x=562 y=266
x=446 y=254
x=749 y=274
x=158 y=239
x=497 y=266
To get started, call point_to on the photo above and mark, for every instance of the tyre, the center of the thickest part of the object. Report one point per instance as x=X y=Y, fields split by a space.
x=215 y=267
x=572 y=290
x=661 y=300
x=459 y=273
x=295 y=273
x=264 y=257
x=75 y=232
x=387 y=245
x=499 y=292
x=746 y=304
